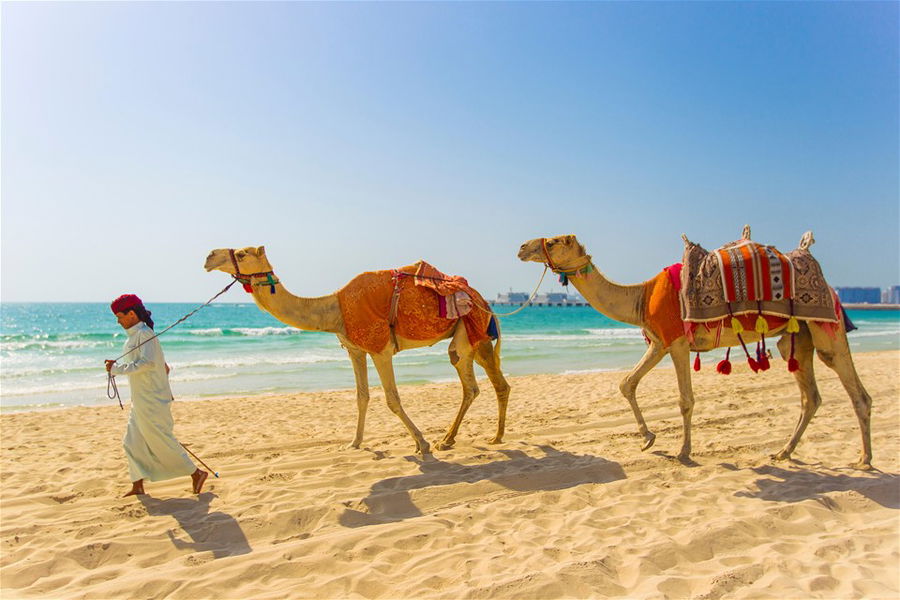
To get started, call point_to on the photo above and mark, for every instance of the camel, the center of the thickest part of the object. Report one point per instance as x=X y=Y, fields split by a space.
x=625 y=303
x=251 y=267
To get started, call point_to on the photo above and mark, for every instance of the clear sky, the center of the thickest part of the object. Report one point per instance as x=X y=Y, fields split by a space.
x=348 y=137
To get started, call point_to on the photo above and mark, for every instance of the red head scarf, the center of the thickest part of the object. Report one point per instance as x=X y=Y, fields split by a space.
x=125 y=302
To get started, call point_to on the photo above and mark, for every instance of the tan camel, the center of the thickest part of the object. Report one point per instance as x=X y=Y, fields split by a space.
x=324 y=314
x=624 y=303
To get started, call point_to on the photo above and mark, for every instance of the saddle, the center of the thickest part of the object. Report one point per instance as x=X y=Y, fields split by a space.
x=744 y=277
x=415 y=302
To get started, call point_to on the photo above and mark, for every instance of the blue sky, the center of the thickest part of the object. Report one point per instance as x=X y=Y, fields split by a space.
x=348 y=137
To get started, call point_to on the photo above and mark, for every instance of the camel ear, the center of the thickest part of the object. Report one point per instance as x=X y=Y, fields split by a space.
x=261 y=251
x=569 y=240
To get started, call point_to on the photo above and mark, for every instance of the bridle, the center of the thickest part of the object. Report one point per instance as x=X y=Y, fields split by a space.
x=566 y=272
x=246 y=279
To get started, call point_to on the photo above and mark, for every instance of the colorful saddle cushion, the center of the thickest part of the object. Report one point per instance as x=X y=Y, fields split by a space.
x=366 y=307
x=745 y=277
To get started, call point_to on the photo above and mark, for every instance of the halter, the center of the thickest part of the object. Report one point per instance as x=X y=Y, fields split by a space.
x=563 y=272
x=245 y=279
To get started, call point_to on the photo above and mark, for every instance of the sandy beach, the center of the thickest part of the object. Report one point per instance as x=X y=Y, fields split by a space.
x=566 y=507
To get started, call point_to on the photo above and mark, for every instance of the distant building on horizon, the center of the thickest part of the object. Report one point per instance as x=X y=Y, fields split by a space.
x=859 y=295
x=893 y=295
x=546 y=299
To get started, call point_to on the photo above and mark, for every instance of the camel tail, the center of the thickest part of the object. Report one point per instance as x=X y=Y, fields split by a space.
x=494 y=326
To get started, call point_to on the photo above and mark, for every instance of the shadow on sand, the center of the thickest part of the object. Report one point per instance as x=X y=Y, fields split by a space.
x=392 y=499
x=214 y=532
x=795 y=485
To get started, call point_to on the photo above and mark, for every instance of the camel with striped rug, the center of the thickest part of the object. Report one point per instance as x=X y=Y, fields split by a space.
x=380 y=313
x=757 y=303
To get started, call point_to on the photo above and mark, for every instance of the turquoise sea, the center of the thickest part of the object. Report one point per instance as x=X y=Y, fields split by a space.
x=51 y=355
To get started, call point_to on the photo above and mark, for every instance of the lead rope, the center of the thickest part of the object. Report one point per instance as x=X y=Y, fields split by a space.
x=521 y=308
x=112 y=391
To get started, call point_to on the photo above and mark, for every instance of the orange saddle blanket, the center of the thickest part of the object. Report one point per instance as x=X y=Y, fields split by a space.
x=366 y=306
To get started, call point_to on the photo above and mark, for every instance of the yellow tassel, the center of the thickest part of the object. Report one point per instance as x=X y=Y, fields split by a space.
x=793 y=326
x=762 y=326
x=736 y=325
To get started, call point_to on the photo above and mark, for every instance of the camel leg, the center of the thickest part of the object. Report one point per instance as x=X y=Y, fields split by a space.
x=384 y=364
x=461 y=355
x=629 y=384
x=361 y=374
x=484 y=356
x=681 y=358
x=810 y=400
x=835 y=353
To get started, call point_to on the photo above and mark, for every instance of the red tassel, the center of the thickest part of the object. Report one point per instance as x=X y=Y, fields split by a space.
x=248 y=288
x=724 y=366
x=793 y=363
x=753 y=364
x=762 y=360
x=697 y=362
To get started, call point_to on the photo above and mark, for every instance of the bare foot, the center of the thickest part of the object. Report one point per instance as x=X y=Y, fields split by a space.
x=199 y=478
x=137 y=489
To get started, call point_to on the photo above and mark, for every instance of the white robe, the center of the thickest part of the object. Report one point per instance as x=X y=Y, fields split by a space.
x=150 y=445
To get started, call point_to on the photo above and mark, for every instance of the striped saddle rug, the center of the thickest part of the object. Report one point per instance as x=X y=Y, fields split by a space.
x=745 y=277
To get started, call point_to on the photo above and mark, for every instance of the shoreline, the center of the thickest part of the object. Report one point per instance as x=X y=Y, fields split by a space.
x=854 y=306
x=484 y=385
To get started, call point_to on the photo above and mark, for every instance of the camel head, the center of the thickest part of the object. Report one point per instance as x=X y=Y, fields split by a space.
x=561 y=253
x=248 y=260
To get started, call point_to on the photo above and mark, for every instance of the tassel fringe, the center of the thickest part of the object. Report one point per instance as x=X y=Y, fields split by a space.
x=724 y=366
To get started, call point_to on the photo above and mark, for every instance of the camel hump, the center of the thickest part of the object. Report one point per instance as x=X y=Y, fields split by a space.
x=807 y=240
x=745 y=234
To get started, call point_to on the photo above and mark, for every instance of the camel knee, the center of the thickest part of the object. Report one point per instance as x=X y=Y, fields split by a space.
x=815 y=401
x=627 y=387
x=826 y=356
x=395 y=406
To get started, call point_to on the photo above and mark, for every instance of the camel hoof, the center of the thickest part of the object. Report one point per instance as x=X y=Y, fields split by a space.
x=864 y=465
x=496 y=440
x=444 y=445
x=649 y=439
x=781 y=456
x=423 y=450
x=353 y=446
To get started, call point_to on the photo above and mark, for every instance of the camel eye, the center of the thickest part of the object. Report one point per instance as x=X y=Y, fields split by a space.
x=240 y=254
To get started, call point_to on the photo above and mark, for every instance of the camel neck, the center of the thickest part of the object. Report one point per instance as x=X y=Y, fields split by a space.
x=623 y=303
x=322 y=313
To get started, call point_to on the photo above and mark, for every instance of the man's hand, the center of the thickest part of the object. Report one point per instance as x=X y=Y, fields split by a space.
x=109 y=364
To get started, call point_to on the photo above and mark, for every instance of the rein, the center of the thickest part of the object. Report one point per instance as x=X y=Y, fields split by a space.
x=525 y=305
